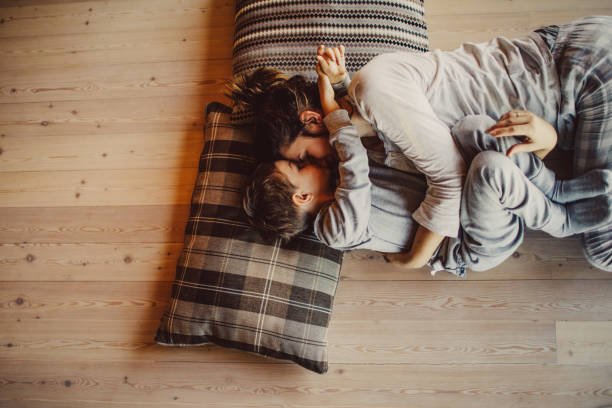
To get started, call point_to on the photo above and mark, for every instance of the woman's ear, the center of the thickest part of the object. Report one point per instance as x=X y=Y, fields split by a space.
x=313 y=122
x=301 y=199
x=311 y=116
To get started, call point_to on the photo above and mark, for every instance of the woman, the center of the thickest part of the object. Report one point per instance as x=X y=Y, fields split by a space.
x=561 y=73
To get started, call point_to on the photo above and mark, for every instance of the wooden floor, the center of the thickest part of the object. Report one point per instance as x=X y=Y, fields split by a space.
x=100 y=130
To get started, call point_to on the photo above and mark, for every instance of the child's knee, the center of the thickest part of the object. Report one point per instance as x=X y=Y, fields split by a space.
x=472 y=123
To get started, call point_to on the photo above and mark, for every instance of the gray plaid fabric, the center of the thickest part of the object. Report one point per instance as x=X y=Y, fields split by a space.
x=583 y=54
x=232 y=288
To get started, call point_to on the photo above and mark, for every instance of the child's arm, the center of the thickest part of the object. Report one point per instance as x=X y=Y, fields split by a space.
x=343 y=222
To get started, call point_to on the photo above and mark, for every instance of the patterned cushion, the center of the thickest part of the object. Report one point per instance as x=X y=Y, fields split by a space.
x=232 y=288
x=284 y=34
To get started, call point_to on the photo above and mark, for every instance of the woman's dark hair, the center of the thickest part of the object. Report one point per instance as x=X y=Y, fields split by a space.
x=277 y=102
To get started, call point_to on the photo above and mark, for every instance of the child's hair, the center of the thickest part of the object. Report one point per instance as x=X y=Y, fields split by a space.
x=269 y=207
x=277 y=102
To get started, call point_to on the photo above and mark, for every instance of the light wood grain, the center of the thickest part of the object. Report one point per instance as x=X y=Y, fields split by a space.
x=163 y=114
x=379 y=342
x=88 y=262
x=136 y=224
x=97 y=187
x=111 y=93
x=111 y=81
x=275 y=385
x=86 y=151
x=584 y=342
x=122 y=16
x=373 y=301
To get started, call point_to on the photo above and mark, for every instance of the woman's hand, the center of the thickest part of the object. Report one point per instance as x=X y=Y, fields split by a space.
x=332 y=62
x=539 y=136
x=423 y=247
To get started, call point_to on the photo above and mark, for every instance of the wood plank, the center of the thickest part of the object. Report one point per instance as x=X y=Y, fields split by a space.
x=369 y=300
x=180 y=149
x=101 y=117
x=88 y=262
x=478 y=7
x=79 y=300
x=539 y=257
x=102 y=340
x=97 y=17
x=276 y=385
x=177 y=78
x=97 y=187
x=100 y=49
x=376 y=342
x=142 y=261
x=120 y=224
x=448 y=31
x=587 y=343
x=87 y=51
x=441 y=342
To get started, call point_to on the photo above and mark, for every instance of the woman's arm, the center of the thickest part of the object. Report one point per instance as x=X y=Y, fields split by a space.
x=423 y=247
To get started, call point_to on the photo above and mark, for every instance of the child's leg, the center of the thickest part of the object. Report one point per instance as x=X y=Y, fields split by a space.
x=470 y=136
x=498 y=201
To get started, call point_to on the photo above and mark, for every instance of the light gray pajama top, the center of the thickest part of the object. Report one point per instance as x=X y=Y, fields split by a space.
x=373 y=203
x=412 y=101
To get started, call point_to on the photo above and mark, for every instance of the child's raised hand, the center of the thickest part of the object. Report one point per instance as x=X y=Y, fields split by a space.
x=326 y=92
x=332 y=62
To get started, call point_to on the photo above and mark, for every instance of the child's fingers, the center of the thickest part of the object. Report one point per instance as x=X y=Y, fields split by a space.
x=330 y=53
x=322 y=62
x=320 y=49
x=342 y=50
x=337 y=55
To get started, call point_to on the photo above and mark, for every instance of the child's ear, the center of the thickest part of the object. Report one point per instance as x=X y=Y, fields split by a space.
x=301 y=199
x=311 y=116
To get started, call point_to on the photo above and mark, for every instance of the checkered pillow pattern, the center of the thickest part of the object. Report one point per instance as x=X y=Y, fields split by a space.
x=231 y=287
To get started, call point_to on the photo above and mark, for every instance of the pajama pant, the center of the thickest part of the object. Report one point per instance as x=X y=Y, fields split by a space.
x=501 y=197
x=582 y=51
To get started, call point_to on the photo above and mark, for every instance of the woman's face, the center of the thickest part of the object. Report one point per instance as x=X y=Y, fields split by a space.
x=312 y=149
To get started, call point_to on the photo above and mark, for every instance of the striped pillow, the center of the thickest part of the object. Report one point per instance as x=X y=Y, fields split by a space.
x=284 y=34
x=233 y=289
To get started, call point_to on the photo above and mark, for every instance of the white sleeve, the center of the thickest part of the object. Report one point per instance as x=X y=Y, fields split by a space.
x=389 y=93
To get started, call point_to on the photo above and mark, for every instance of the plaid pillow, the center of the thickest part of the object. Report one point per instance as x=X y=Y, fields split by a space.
x=232 y=288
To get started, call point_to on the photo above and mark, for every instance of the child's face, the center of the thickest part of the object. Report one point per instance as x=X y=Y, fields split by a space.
x=308 y=178
x=309 y=149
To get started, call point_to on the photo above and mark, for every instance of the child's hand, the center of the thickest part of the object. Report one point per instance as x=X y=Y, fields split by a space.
x=326 y=92
x=332 y=62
